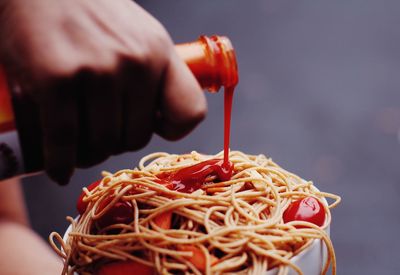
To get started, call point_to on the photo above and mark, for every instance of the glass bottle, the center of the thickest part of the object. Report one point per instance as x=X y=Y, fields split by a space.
x=212 y=60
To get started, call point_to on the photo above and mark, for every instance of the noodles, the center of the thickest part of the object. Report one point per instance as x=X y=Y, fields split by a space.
x=233 y=226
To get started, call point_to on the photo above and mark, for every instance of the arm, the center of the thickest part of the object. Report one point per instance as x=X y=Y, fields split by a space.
x=21 y=251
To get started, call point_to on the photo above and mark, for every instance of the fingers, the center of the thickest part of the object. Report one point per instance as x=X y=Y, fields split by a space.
x=183 y=104
x=59 y=116
x=139 y=88
x=100 y=117
x=92 y=116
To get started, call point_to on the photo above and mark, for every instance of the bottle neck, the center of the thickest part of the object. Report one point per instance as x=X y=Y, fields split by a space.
x=212 y=61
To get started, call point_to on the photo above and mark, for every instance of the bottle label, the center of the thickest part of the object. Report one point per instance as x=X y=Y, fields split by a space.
x=11 y=161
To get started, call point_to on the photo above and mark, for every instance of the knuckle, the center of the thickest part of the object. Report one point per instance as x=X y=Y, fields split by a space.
x=104 y=63
x=161 y=39
x=58 y=61
x=156 y=49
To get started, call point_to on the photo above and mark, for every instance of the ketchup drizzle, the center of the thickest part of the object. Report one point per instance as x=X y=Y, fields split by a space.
x=192 y=178
x=222 y=71
x=228 y=98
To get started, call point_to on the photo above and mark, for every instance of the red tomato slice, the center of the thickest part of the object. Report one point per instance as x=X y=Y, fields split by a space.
x=81 y=205
x=308 y=209
x=125 y=268
x=164 y=220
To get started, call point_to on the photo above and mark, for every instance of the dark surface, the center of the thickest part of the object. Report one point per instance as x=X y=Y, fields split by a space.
x=319 y=92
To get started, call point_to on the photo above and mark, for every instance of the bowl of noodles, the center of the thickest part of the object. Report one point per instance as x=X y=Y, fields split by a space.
x=261 y=219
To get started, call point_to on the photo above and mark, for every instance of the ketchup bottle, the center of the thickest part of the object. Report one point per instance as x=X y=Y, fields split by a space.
x=212 y=61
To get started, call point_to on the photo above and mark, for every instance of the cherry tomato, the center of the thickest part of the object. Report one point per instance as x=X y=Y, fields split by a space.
x=121 y=212
x=125 y=268
x=81 y=205
x=308 y=209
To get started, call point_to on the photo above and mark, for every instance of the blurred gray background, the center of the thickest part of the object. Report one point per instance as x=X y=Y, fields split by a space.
x=319 y=92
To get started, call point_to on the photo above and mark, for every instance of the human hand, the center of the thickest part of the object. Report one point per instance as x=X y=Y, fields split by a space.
x=102 y=74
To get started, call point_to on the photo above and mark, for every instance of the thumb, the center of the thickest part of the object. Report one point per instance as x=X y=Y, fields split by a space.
x=183 y=103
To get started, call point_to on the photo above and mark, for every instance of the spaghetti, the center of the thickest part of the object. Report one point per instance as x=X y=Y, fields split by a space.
x=232 y=226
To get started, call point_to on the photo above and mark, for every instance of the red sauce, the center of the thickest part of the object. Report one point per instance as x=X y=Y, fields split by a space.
x=192 y=178
x=228 y=98
x=213 y=62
